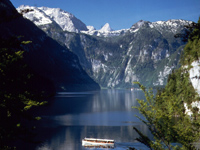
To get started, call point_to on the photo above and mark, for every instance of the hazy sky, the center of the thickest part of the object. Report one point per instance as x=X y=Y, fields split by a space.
x=121 y=14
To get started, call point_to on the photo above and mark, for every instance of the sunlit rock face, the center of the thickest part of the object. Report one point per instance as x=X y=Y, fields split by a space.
x=195 y=75
x=188 y=111
x=146 y=52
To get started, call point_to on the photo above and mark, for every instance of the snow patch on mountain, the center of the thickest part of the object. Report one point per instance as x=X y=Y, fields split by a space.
x=37 y=16
x=66 y=20
x=172 y=24
x=91 y=28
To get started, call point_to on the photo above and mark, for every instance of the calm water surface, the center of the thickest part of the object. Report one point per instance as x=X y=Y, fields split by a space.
x=104 y=114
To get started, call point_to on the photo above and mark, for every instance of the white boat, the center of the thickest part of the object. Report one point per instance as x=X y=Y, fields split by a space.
x=87 y=142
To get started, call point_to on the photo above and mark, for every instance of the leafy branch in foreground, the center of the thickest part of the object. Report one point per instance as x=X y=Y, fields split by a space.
x=157 y=121
x=166 y=120
x=16 y=92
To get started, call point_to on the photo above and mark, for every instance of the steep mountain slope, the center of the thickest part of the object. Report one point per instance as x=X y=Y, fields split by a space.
x=147 y=52
x=44 y=55
x=146 y=56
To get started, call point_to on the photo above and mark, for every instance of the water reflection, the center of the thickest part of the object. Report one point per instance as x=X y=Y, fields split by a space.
x=104 y=100
x=104 y=114
x=114 y=100
x=104 y=108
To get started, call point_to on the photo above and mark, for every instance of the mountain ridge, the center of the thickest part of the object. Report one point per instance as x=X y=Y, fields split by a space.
x=105 y=31
x=146 y=52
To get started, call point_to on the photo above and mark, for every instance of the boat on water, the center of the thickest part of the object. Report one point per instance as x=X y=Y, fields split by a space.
x=87 y=142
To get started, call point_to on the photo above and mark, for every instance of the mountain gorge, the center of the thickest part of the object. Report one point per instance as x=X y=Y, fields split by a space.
x=44 y=55
x=147 y=52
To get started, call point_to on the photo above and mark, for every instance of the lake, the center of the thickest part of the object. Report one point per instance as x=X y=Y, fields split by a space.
x=72 y=116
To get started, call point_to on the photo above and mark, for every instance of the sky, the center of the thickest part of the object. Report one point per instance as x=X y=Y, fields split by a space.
x=122 y=14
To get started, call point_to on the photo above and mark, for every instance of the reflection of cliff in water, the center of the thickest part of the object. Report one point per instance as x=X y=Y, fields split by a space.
x=87 y=102
x=115 y=100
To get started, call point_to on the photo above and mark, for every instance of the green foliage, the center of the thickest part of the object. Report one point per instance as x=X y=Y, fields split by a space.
x=16 y=96
x=167 y=121
x=26 y=42
x=192 y=49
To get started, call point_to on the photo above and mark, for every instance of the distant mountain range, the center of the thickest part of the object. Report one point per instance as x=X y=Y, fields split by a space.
x=65 y=20
x=44 y=56
x=147 y=52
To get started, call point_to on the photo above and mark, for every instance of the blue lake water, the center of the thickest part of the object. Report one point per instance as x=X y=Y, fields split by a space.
x=70 y=117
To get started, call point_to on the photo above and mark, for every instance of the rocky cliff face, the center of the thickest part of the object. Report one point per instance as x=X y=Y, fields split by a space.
x=195 y=75
x=44 y=55
x=147 y=52
x=142 y=54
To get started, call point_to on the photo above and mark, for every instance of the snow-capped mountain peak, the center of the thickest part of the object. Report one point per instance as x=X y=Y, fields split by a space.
x=106 y=28
x=45 y=15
